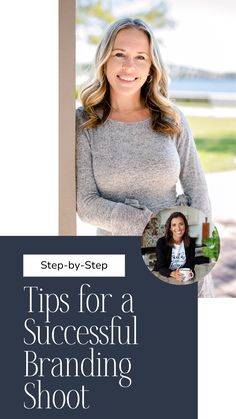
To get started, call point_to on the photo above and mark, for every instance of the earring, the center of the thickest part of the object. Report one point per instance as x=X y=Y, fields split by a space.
x=149 y=78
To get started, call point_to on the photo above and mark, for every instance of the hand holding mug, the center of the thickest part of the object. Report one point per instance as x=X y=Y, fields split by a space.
x=176 y=275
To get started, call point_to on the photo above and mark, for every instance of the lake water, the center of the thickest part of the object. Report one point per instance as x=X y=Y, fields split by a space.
x=204 y=85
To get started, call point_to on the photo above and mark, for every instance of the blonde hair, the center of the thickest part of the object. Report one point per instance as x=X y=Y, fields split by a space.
x=95 y=95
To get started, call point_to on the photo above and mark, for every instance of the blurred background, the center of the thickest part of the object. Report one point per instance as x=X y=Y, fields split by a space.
x=197 y=42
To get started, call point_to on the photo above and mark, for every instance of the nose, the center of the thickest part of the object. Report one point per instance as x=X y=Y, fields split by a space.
x=128 y=63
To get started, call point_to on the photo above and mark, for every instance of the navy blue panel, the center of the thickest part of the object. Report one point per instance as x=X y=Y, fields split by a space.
x=164 y=363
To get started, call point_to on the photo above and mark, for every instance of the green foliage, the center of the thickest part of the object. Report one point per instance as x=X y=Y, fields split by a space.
x=76 y=93
x=212 y=246
x=93 y=39
x=97 y=14
x=93 y=8
x=156 y=16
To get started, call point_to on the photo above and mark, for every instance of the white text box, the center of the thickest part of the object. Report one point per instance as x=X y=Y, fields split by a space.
x=74 y=265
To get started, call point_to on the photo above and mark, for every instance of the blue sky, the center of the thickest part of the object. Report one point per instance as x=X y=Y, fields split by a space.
x=204 y=35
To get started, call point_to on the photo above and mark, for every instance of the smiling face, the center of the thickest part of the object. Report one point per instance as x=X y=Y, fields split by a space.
x=129 y=64
x=177 y=228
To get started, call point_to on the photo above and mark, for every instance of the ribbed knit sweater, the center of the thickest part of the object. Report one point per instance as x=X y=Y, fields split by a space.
x=126 y=171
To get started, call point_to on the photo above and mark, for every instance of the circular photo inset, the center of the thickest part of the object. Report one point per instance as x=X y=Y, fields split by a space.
x=180 y=245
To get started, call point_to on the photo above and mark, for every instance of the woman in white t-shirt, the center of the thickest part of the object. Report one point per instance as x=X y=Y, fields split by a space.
x=176 y=249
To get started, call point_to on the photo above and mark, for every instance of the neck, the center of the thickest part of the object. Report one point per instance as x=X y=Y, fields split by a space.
x=177 y=241
x=126 y=103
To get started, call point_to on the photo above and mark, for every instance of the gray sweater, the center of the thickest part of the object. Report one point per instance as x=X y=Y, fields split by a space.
x=126 y=172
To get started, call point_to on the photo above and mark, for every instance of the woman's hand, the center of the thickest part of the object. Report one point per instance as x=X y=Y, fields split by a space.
x=176 y=275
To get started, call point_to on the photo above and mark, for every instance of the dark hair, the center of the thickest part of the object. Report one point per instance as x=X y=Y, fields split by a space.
x=168 y=232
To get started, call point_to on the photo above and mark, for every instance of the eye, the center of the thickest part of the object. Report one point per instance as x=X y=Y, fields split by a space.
x=119 y=54
x=140 y=57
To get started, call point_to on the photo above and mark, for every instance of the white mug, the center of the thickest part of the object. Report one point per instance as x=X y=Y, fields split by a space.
x=186 y=274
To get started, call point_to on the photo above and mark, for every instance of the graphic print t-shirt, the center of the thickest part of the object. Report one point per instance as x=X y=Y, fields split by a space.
x=178 y=256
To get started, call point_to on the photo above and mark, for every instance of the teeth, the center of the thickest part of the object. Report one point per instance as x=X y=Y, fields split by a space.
x=127 y=78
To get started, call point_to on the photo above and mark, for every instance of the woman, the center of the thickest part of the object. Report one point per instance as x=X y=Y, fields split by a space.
x=133 y=145
x=176 y=249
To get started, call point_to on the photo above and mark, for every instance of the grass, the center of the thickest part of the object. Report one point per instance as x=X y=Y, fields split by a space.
x=216 y=142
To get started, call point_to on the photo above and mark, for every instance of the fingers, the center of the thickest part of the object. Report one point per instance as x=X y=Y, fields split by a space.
x=178 y=276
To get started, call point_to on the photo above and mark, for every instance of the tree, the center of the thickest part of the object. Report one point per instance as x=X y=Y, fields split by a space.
x=94 y=15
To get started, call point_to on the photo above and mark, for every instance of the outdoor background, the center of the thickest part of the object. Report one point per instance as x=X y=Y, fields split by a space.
x=197 y=43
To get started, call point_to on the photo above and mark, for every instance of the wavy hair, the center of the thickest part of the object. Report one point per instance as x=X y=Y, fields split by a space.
x=168 y=232
x=95 y=95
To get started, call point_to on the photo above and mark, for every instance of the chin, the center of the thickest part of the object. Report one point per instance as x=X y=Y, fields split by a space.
x=179 y=237
x=127 y=91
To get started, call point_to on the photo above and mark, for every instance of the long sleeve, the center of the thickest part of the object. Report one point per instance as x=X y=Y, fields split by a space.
x=191 y=175
x=116 y=217
x=162 y=255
